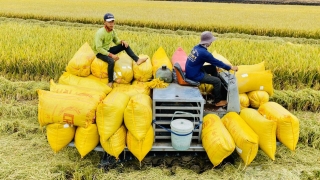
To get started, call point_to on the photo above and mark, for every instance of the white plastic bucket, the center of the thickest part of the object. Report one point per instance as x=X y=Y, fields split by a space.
x=182 y=127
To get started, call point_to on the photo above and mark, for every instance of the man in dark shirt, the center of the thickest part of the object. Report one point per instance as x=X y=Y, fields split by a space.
x=196 y=71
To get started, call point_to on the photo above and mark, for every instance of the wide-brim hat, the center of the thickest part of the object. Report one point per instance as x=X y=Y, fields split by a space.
x=207 y=37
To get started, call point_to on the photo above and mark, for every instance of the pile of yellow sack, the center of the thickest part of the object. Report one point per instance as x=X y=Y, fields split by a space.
x=83 y=108
x=248 y=131
x=254 y=84
x=260 y=123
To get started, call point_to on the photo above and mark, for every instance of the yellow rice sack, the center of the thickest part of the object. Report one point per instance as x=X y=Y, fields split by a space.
x=132 y=90
x=65 y=108
x=69 y=79
x=287 y=123
x=86 y=139
x=103 y=80
x=116 y=143
x=216 y=139
x=160 y=59
x=245 y=138
x=143 y=72
x=115 y=85
x=264 y=128
x=244 y=100
x=72 y=89
x=110 y=114
x=221 y=58
x=205 y=88
x=256 y=98
x=138 y=115
x=140 y=148
x=123 y=72
x=59 y=135
x=254 y=81
x=99 y=68
x=80 y=64
x=242 y=69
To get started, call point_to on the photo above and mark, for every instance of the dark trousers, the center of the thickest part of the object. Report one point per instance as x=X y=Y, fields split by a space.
x=211 y=77
x=115 y=50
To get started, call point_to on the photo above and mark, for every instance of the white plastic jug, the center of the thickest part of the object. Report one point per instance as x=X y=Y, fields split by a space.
x=182 y=130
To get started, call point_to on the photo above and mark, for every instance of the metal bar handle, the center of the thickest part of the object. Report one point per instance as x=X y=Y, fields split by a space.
x=182 y=112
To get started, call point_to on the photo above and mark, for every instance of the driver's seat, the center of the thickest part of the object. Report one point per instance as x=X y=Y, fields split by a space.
x=182 y=80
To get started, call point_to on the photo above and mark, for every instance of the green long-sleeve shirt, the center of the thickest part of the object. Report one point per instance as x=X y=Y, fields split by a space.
x=103 y=40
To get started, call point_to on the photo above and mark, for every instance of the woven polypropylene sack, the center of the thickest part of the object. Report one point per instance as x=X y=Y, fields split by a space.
x=216 y=139
x=65 y=108
x=99 y=68
x=254 y=81
x=245 y=138
x=115 y=85
x=59 y=135
x=220 y=58
x=123 y=72
x=205 y=88
x=143 y=72
x=86 y=139
x=88 y=82
x=256 y=98
x=180 y=57
x=73 y=89
x=264 y=128
x=138 y=115
x=110 y=114
x=103 y=80
x=242 y=69
x=116 y=143
x=80 y=64
x=160 y=59
x=287 y=123
x=140 y=148
x=132 y=90
x=244 y=100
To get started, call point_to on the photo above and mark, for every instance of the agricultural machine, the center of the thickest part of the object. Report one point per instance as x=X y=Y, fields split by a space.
x=181 y=100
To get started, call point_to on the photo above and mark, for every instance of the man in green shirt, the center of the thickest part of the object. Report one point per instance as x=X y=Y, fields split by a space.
x=102 y=42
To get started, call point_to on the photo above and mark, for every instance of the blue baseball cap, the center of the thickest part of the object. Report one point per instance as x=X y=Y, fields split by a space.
x=108 y=17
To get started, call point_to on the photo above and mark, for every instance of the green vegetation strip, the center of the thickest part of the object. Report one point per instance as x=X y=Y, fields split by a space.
x=38 y=50
x=254 y=19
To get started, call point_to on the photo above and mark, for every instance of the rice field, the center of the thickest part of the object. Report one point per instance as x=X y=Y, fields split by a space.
x=255 y=19
x=40 y=50
x=38 y=38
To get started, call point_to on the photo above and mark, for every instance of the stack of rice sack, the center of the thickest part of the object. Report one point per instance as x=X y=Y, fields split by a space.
x=246 y=140
x=254 y=84
x=138 y=119
x=110 y=123
x=249 y=131
x=126 y=70
x=117 y=117
x=216 y=139
x=81 y=107
x=68 y=110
